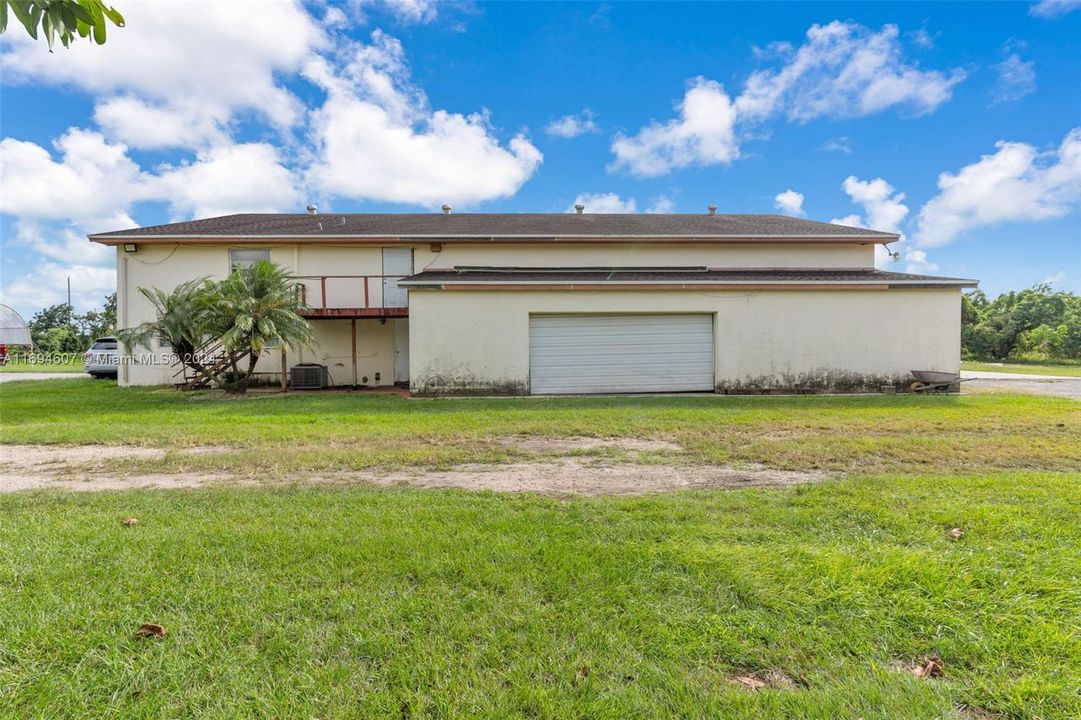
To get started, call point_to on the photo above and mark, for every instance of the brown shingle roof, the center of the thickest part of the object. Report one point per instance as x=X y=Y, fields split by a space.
x=674 y=276
x=496 y=226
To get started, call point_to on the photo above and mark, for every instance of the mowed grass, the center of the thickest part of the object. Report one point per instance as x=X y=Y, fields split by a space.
x=348 y=602
x=271 y=435
x=19 y=365
x=345 y=601
x=1073 y=370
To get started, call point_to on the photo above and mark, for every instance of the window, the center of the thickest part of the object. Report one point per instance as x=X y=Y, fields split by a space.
x=244 y=257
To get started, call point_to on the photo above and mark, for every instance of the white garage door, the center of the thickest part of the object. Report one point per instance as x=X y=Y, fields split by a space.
x=620 y=353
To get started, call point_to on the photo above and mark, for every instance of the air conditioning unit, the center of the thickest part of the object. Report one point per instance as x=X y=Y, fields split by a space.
x=309 y=376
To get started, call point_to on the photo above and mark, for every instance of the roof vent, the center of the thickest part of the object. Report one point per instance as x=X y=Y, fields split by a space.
x=312 y=209
x=446 y=209
x=579 y=208
x=712 y=209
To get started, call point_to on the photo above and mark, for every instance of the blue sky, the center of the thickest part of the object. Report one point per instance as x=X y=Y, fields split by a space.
x=957 y=125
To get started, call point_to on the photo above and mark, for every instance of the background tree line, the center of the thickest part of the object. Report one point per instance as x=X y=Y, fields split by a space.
x=58 y=329
x=1032 y=325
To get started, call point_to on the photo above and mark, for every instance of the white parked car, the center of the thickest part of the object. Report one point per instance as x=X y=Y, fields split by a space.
x=103 y=358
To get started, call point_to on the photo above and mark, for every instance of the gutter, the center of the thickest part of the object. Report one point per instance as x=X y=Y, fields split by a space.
x=876 y=284
x=110 y=239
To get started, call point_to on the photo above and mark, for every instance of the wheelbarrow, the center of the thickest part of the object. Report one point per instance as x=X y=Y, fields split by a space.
x=935 y=381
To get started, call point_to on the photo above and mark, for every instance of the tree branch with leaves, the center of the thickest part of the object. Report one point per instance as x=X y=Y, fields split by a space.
x=62 y=19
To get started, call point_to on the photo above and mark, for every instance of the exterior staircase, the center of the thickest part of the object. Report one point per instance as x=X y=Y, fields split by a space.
x=217 y=360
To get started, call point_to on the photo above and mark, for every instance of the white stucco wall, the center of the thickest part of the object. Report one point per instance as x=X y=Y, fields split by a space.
x=484 y=336
x=467 y=341
x=166 y=267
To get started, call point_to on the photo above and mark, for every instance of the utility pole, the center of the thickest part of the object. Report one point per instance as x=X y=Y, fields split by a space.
x=69 y=293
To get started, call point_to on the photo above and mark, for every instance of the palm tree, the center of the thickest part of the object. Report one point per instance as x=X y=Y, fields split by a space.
x=254 y=307
x=181 y=319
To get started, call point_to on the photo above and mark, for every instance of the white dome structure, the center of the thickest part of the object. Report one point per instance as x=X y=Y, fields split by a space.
x=13 y=329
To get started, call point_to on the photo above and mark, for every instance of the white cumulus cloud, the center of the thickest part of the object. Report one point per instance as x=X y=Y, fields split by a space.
x=1016 y=183
x=376 y=137
x=604 y=203
x=838 y=144
x=702 y=134
x=1053 y=8
x=571 y=126
x=148 y=125
x=613 y=203
x=93 y=183
x=661 y=205
x=789 y=202
x=247 y=177
x=884 y=210
x=845 y=70
x=203 y=60
x=405 y=11
x=883 y=206
x=46 y=284
x=1016 y=79
x=842 y=70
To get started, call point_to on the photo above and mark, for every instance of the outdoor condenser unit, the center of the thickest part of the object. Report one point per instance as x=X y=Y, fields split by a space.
x=308 y=376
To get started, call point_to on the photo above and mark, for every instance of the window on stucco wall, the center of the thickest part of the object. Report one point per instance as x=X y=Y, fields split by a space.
x=246 y=257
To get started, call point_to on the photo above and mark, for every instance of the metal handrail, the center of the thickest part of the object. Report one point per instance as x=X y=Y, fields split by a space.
x=323 y=286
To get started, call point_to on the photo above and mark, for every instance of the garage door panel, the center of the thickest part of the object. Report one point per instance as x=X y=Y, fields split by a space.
x=621 y=353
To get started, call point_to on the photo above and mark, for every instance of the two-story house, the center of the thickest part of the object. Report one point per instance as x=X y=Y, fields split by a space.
x=570 y=303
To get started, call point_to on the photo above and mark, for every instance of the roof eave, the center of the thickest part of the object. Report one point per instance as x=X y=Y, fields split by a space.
x=874 y=282
x=199 y=239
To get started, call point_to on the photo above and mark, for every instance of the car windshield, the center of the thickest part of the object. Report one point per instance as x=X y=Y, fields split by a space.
x=104 y=345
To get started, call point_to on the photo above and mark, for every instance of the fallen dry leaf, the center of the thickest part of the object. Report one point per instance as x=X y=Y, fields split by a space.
x=128 y=522
x=955 y=533
x=929 y=667
x=150 y=630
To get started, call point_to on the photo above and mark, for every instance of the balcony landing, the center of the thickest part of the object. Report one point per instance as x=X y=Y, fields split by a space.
x=346 y=313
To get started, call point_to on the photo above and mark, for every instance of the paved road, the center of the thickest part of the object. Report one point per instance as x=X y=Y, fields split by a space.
x=11 y=377
x=1054 y=385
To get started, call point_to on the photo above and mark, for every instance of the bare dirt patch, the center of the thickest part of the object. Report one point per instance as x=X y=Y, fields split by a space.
x=45 y=456
x=564 y=445
x=969 y=712
x=31 y=457
x=583 y=476
x=86 y=483
x=85 y=467
x=772 y=678
x=25 y=467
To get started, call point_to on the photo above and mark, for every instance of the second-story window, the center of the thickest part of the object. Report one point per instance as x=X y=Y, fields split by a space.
x=246 y=257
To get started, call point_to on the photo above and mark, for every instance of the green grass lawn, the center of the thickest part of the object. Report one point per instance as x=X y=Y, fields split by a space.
x=1024 y=369
x=276 y=435
x=19 y=365
x=336 y=603
x=350 y=601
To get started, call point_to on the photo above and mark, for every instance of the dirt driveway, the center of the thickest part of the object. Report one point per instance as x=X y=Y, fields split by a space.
x=554 y=471
x=13 y=376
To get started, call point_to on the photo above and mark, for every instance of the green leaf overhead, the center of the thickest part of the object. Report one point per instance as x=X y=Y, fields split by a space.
x=62 y=19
